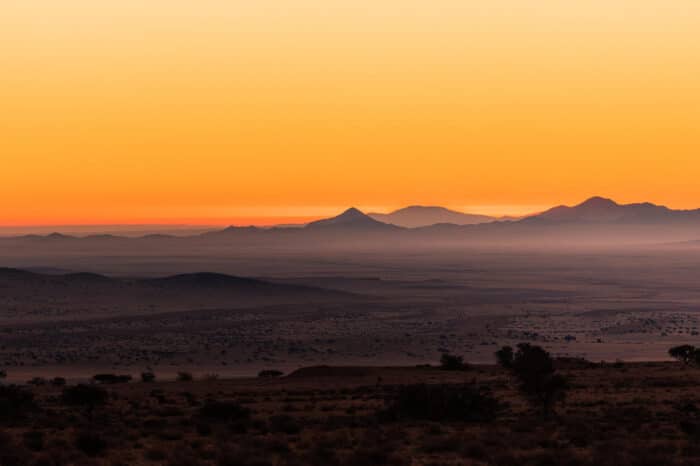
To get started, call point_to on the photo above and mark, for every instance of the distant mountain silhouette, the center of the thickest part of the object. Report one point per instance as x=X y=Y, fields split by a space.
x=232 y=230
x=421 y=216
x=86 y=277
x=351 y=220
x=602 y=210
x=93 y=292
x=597 y=220
x=208 y=280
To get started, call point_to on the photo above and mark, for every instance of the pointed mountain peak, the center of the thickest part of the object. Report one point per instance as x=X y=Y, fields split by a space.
x=352 y=217
x=352 y=212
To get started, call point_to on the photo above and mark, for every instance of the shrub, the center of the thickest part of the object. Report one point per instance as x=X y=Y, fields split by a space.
x=243 y=456
x=111 y=378
x=504 y=356
x=15 y=456
x=84 y=395
x=15 y=403
x=442 y=403
x=687 y=354
x=284 y=423
x=184 y=377
x=375 y=454
x=224 y=411
x=58 y=381
x=34 y=440
x=90 y=443
x=270 y=373
x=451 y=362
x=148 y=377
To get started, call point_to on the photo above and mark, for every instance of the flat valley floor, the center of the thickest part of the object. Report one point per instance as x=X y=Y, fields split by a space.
x=388 y=309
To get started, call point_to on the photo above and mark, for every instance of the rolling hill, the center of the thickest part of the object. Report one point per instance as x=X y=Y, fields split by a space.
x=421 y=216
x=24 y=294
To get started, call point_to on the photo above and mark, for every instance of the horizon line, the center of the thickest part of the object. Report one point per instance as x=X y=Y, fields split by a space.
x=278 y=216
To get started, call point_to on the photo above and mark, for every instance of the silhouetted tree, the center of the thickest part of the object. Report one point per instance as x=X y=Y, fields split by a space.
x=504 y=356
x=58 y=381
x=534 y=369
x=451 y=362
x=687 y=354
x=111 y=378
x=184 y=377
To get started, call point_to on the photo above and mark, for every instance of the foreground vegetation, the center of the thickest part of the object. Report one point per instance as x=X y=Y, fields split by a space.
x=612 y=414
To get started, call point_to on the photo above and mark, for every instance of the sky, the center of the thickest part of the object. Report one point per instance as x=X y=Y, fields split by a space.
x=228 y=111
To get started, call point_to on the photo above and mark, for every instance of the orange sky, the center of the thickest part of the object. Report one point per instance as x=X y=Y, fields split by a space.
x=218 y=111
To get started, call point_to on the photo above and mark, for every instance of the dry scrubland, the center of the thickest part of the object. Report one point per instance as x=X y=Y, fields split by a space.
x=613 y=414
x=384 y=308
x=379 y=309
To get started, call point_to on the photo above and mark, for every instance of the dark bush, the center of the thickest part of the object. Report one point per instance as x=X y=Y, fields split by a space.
x=270 y=373
x=15 y=403
x=156 y=454
x=148 y=377
x=111 y=378
x=375 y=455
x=284 y=423
x=90 y=443
x=241 y=456
x=441 y=403
x=84 y=395
x=184 y=377
x=224 y=411
x=451 y=362
x=58 y=381
x=504 y=356
x=684 y=353
x=34 y=440
x=15 y=456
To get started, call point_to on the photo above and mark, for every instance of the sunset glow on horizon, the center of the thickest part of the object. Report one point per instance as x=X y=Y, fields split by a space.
x=230 y=112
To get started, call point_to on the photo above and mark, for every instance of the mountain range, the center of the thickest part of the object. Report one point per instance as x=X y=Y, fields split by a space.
x=423 y=216
x=81 y=295
x=602 y=210
x=594 y=211
x=596 y=219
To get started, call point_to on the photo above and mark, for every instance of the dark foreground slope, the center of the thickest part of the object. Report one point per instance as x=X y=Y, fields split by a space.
x=614 y=415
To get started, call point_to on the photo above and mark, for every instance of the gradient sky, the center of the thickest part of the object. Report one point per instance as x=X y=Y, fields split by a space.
x=226 y=111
